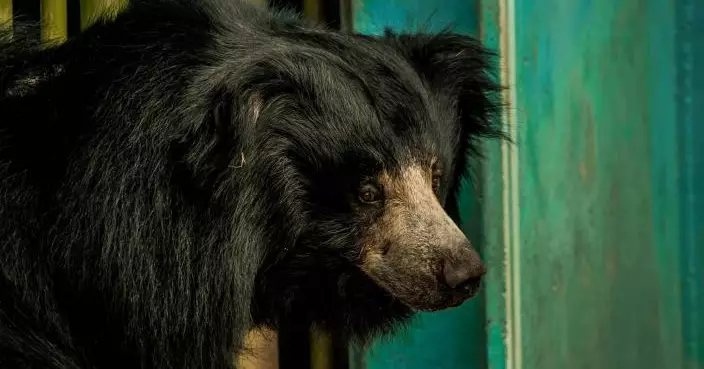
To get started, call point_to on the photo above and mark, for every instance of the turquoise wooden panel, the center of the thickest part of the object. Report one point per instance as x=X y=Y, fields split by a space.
x=455 y=338
x=494 y=219
x=610 y=151
x=689 y=36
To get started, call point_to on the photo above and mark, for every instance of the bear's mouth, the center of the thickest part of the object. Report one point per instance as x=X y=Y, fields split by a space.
x=447 y=303
x=450 y=298
x=444 y=298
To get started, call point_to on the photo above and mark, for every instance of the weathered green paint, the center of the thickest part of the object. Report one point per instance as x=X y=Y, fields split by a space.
x=689 y=53
x=608 y=105
x=455 y=338
x=493 y=210
x=373 y=16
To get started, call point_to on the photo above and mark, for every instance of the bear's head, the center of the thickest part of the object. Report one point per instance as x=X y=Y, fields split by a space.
x=412 y=247
x=366 y=140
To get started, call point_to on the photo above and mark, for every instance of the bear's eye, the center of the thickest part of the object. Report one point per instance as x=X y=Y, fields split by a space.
x=436 y=182
x=437 y=177
x=369 y=194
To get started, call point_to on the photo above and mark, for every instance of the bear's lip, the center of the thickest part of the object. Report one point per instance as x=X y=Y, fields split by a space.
x=446 y=304
x=451 y=299
x=448 y=298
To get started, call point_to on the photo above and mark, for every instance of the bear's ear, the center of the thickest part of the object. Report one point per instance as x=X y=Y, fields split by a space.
x=458 y=68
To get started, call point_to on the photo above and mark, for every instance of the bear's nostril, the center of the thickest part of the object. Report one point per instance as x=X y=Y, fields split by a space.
x=462 y=275
x=470 y=286
x=455 y=274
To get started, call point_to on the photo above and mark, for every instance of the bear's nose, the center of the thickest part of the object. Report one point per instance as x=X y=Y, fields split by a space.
x=464 y=270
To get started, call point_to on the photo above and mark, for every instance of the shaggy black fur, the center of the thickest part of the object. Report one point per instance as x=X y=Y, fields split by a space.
x=173 y=177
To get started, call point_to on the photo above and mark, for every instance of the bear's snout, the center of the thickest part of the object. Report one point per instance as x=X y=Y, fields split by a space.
x=416 y=252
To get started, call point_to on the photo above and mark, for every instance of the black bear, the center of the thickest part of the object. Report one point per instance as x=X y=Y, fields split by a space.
x=190 y=169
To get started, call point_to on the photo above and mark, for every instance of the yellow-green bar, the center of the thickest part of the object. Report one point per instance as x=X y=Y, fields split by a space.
x=54 y=21
x=321 y=350
x=94 y=9
x=312 y=9
x=5 y=12
x=261 y=350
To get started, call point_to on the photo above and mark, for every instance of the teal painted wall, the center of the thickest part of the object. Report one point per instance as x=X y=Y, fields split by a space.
x=610 y=173
x=596 y=280
x=455 y=338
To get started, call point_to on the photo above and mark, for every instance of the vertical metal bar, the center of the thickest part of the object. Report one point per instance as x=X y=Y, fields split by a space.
x=88 y=12
x=262 y=345
x=261 y=351
x=321 y=343
x=346 y=15
x=321 y=346
x=511 y=206
x=312 y=9
x=494 y=182
x=54 y=21
x=294 y=346
x=27 y=11
x=91 y=10
x=5 y=12
x=73 y=18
